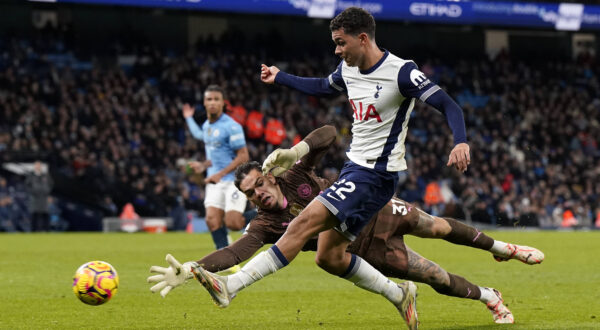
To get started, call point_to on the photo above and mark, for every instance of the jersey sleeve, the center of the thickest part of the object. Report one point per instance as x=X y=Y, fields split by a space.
x=414 y=83
x=319 y=141
x=239 y=251
x=333 y=84
x=236 y=136
x=336 y=80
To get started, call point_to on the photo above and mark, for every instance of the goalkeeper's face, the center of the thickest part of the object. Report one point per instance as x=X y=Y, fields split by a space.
x=262 y=190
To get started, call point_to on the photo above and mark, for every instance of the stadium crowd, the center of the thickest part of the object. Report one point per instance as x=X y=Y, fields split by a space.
x=115 y=125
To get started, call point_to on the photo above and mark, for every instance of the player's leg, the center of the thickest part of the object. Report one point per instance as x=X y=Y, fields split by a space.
x=426 y=271
x=456 y=232
x=235 y=204
x=333 y=258
x=311 y=221
x=214 y=202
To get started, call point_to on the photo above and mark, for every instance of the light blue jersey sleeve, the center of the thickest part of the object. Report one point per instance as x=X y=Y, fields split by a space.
x=194 y=128
x=236 y=136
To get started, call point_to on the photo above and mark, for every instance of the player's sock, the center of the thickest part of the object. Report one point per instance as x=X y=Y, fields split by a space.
x=466 y=235
x=365 y=276
x=219 y=236
x=487 y=295
x=499 y=247
x=263 y=264
x=461 y=288
x=249 y=215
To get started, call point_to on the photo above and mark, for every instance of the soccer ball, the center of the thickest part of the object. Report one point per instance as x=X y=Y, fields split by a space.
x=95 y=282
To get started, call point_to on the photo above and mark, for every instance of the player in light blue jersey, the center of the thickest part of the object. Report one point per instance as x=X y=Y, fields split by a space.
x=225 y=147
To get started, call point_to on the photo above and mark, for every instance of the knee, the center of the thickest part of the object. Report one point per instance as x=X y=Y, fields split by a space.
x=440 y=227
x=234 y=221
x=212 y=222
x=331 y=263
x=324 y=262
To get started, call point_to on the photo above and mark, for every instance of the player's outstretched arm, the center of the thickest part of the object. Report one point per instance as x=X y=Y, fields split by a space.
x=430 y=93
x=168 y=278
x=310 y=86
x=240 y=251
x=460 y=156
x=312 y=146
x=188 y=113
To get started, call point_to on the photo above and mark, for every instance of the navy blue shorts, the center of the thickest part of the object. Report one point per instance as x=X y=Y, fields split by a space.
x=359 y=193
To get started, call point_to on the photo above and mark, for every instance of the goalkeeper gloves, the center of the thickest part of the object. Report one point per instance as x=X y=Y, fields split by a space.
x=172 y=277
x=282 y=160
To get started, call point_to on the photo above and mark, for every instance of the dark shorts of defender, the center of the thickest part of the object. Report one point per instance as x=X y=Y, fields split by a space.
x=358 y=194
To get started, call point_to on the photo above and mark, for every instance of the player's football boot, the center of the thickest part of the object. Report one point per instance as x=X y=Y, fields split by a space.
x=408 y=305
x=215 y=285
x=500 y=313
x=526 y=254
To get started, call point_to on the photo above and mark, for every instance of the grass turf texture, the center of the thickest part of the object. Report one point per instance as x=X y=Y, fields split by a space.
x=36 y=273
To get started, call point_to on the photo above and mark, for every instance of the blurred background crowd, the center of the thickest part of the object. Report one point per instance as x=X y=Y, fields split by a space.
x=110 y=129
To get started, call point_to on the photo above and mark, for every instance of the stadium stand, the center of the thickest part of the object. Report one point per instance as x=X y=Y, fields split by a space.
x=112 y=132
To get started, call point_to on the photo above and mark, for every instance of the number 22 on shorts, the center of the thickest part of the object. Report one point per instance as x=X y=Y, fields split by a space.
x=341 y=188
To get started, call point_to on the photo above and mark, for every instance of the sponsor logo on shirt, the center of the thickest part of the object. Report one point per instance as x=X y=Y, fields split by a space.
x=419 y=79
x=369 y=113
x=295 y=209
x=236 y=137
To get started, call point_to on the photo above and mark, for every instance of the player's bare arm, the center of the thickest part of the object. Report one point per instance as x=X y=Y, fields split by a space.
x=241 y=157
x=200 y=167
x=187 y=111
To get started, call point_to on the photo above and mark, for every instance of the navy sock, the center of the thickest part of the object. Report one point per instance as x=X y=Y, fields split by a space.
x=219 y=236
x=249 y=215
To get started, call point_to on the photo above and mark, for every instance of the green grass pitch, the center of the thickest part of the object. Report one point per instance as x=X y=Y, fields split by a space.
x=36 y=272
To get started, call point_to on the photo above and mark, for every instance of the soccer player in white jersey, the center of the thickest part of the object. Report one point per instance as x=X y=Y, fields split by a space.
x=382 y=89
x=225 y=147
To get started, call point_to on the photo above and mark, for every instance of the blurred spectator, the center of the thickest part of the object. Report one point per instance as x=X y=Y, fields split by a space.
x=39 y=184
x=534 y=127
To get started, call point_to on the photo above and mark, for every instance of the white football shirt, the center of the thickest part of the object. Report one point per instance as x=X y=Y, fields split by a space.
x=382 y=99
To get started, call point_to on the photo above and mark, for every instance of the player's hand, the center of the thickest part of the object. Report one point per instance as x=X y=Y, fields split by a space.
x=279 y=161
x=268 y=73
x=200 y=167
x=215 y=178
x=172 y=277
x=460 y=157
x=188 y=111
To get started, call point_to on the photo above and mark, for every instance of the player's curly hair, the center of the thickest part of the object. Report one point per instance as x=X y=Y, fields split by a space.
x=242 y=170
x=354 y=21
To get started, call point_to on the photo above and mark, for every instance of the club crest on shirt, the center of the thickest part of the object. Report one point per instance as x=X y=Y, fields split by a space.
x=295 y=209
x=377 y=93
x=304 y=190
x=216 y=133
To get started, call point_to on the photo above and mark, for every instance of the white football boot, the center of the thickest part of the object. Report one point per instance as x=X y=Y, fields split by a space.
x=408 y=306
x=526 y=254
x=500 y=313
x=215 y=285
